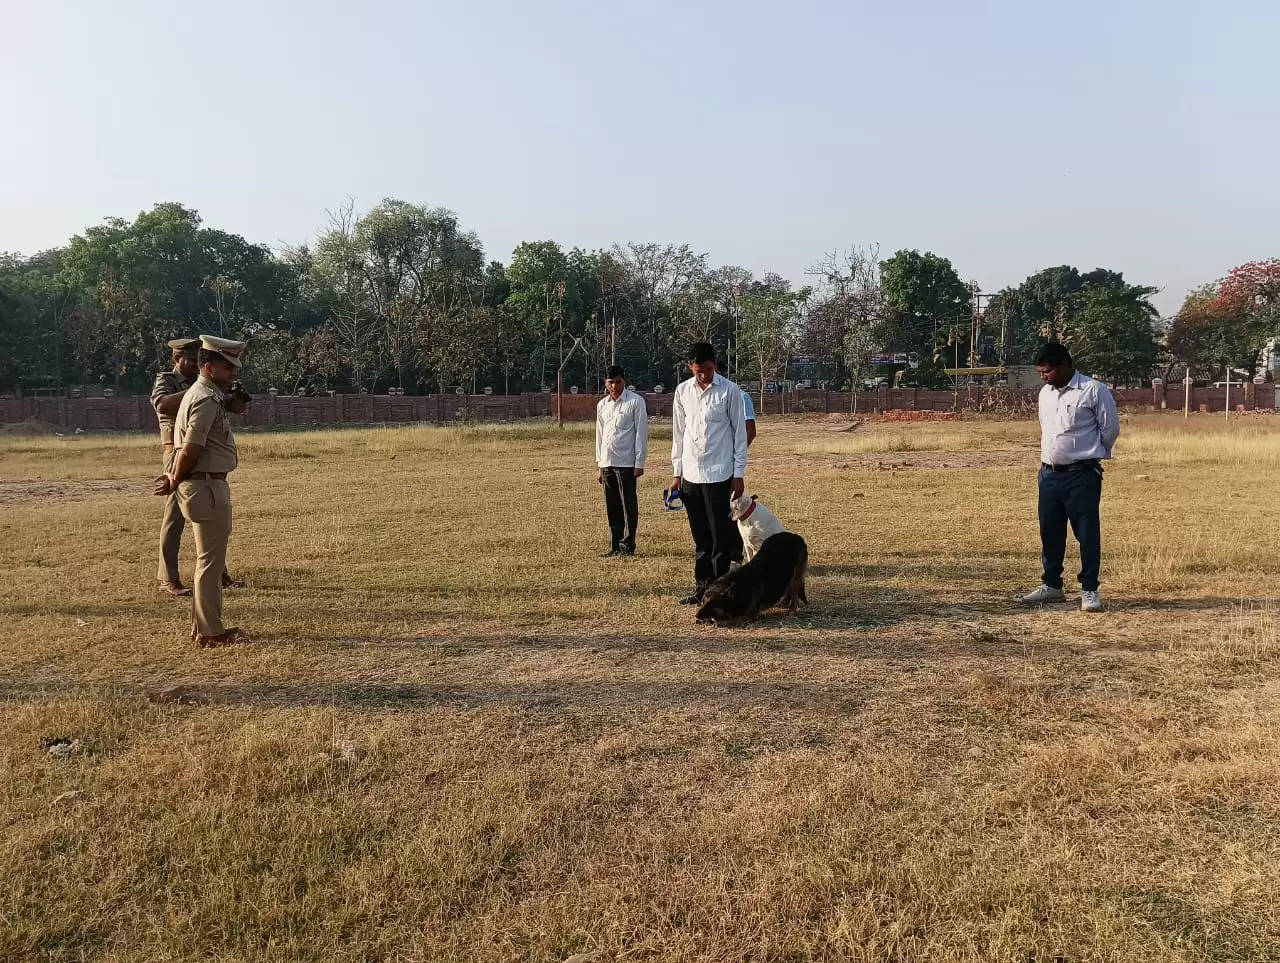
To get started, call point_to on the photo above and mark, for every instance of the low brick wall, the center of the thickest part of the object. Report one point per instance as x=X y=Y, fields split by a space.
x=136 y=414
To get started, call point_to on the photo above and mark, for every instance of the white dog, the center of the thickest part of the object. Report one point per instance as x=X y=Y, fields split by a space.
x=755 y=523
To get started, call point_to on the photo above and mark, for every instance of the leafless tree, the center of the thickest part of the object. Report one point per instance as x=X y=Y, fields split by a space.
x=661 y=278
x=847 y=318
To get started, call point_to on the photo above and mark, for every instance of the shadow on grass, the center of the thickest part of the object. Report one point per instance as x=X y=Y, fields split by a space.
x=777 y=634
x=800 y=694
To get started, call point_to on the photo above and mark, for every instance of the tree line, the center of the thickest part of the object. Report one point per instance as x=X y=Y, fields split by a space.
x=403 y=296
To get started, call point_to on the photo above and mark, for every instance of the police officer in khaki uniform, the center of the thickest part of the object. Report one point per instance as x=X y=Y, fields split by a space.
x=205 y=455
x=166 y=396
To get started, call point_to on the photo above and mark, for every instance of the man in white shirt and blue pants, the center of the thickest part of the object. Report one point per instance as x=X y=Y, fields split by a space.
x=709 y=462
x=1078 y=430
x=622 y=443
x=751 y=416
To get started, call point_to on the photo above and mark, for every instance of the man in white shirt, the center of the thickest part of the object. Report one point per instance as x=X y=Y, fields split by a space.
x=622 y=443
x=751 y=416
x=709 y=462
x=1078 y=430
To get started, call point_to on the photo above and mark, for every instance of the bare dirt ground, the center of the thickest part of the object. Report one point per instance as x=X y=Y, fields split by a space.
x=43 y=492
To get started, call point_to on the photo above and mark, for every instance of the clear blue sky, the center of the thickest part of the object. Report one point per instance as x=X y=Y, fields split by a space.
x=1008 y=136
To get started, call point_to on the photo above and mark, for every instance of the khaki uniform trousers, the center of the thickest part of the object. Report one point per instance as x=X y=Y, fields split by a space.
x=206 y=504
x=171 y=525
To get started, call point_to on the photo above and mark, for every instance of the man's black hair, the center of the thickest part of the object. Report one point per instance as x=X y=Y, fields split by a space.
x=208 y=357
x=615 y=371
x=1054 y=354
x=701 y=352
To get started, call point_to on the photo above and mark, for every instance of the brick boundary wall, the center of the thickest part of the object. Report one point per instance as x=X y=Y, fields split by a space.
x=136 y=414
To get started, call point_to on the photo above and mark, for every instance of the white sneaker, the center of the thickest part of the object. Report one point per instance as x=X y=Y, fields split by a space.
x=1091 y=601
x=1043 y=594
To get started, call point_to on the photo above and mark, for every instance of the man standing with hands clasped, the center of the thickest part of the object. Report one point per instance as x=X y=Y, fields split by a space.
x=1078 y=429
x=709 y=461
x=206 y=454
x=622 y=443
x=166 y=396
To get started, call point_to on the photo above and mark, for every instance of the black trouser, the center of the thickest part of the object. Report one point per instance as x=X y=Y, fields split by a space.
x=1075 y=497
x=716 y=541
x=620 y=503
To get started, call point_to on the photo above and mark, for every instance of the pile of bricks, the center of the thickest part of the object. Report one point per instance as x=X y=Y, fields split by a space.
x=904 y=414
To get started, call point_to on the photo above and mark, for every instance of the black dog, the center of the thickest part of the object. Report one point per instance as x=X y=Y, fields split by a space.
x=773 y=577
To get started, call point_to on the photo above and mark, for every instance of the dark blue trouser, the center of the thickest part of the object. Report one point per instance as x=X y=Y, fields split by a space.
x=716 y=541
x=1070 y=496
x=620 y=504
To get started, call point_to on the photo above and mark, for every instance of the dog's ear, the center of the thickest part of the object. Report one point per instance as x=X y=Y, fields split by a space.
x=754 y=497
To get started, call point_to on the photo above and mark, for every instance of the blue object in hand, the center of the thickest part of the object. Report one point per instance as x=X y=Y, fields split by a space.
x=671 y=499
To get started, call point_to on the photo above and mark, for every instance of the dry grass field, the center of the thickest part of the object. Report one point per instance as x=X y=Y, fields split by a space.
x=459 y=735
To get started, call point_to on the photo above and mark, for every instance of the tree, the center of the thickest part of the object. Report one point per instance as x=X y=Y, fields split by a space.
x=656 y=277
x=424 y=273
x=859 y=342
x=345 y=295
x=925 y=299
x=396 y=282
x=1211 y=332
x=1251 y=287
x=138 y=284
x=36 y=307
x=771 y=324
x=535 y=274
x=705 y=309
x=846 y=319
x=1113 y=334
x=1251 y=292
x=1107 y=323
x=1034 y=311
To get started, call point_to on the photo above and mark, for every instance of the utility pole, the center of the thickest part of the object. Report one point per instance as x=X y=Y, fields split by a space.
x=559 y=289
x=577 y=343
x=975 y=328
x=1004 y=336
x=973 y=325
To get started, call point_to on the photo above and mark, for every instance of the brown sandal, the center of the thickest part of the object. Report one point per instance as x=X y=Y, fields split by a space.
x=232 y=636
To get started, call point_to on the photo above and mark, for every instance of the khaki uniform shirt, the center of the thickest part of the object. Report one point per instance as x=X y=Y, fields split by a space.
x=166 y=383
x=202 y=420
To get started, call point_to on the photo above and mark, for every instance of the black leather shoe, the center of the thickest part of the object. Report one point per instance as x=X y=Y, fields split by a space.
x=609 y=554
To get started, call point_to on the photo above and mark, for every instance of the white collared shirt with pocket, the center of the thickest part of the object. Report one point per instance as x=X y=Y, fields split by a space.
x=1078 y=422
x=622 y=431
x=708 y=432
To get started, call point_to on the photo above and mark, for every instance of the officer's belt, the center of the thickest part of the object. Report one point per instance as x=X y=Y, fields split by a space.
x=1073 y=466
x=209 y=475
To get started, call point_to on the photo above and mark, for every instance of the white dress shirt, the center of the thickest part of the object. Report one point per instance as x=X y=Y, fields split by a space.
x=708 y=432
x=1078 y=422
x=622 y=431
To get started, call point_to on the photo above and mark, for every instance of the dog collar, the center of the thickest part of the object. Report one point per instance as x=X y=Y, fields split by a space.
x=747 y=514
